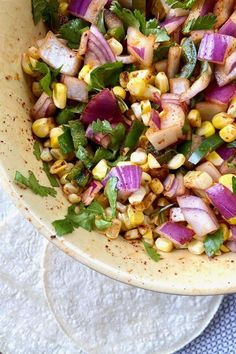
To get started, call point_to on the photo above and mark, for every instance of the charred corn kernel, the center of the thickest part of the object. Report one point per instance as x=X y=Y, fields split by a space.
x=63 y=179
x=42 y=127
x=232 y=108
x=145 y=167
x=148 y=238
x=156 y=186
x=146 y=119
x=58 y=166
x=84 y=73
x=115 y=46
x=126 y=224
x=59 y=95
x=138 y=157
x=70 y=188
x=196 y=247
x=164 y=244
x=145 y=75
x=136 y=217
x=162 y=82
x=151 y=92
x=228 y=133
x=143 y=229
x=57 y=154
x=222 y=119
x=121 y=207
x=67 y=169
x=100 y=170
x=206 y=129
x=214 y=158
x=137 y=109
x=176 y=162
x=33 y=52
x=152 y=162
x=37 y=89
x=63 y=8
x=136 y=87
x=46 y=155
x=54 y=135
x=227 y=180
x=226 y=231
x=132 y=234
x=162 y=202
x=224 y=249
x=26 y=65
x=146 y=106
x=119 y=91
x=194 y=118
x=146 y=178
x=137 y=196
x=114 y=231
x=124 y=79
x=198 y=179
x=232 y=221
x=46 y=143
x=74 y=198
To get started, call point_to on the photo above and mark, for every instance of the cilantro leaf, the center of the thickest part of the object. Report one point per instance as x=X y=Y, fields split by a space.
x=32 y=183
x=100 y=22
x=201 y=23
x=186 y=4
x=52 y=179
x=190 y=56
x=102 y=153
x=162 y=51
x=68 y=113
x=111 y=192
x=96 y=208
x=213 y=242
x=106 y=75
x=102 y=224
x=234 y=184
x=102 y=126
x=125 y=15
x=78 y=133
x=65 y=141
x=37 y=150
x=72 y=31
x=85 y=156
x=151 y=252
x=38 y=8
x=49 y=76
x=152 y=27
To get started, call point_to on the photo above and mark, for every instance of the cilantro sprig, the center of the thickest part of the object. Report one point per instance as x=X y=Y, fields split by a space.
x=37 y=150
x=32 y=183
x=213 y=242
x=111 y=192
x=49 y=76
x=72 y=32
x=151 y=252
x=201 y=23
x=186 y=4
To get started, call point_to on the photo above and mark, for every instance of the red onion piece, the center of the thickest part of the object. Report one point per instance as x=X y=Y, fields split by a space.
x=233 y=231
x=129 y=177
x=99 y=138
x=225 y=152
x=83 y=47
x=229 y=28
x=77 y=90
x=56 y=54
x=87 y=9
x=43 y=108
x=126 y=59
x=179 y=85
x=198 y=214
x=173 y=190
x=168 y=182
x=140 y=46
x=223 y=200
x=217 y=94
x=91 y=192
x=177 y=233
x=214 y=48
x=222 y=74
x=103 y=106
x=172 y=115
x=176 y=215
x=155 y=118
x=111 y=20
x=197 y=35
x=174 y=56
x=171 y=24
x=231 y=245
x=222 y=11
x=163 y=138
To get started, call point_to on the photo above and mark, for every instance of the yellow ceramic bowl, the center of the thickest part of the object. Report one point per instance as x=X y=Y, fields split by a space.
x=178 y=272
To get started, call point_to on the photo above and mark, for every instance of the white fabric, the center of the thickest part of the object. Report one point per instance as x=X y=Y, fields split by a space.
x=92 y=312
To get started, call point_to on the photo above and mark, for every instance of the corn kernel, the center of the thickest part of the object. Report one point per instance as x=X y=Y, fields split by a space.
x=100 y=170
x=146 y=106
x=136 y=217
x=84 y=73
x=34 y=53
x=232 y=108
x=222 y=119
x=214 y=158
x=228 y=133
x=194 y=118
x=54 y=135
x=232 y=221
x=137 y=196
x=124 y=79
x=37 y=89
x=206 y=129
x=146 y=178
x=198 y=179
x=63 y=179
x=58 y=166
x=146 y=119
x=74 y=198
x=176 y=162
x=145 y=75
x=119 y=91
x=224 y=249
x=27 y=66
x=162 y=202
x=42 y=127
x=156 y=186
x=145 y=167
x=152 y=162
x=114 y=231
x=162 y=82
x=164 y=244
x=139 y=157
x=57 y=154
x=46 y=155
x=132 y=234
x=227 y=181
x=115 y=46
x=136 y=87
x=59 y=95
x=226 y=231
x=70 y=188
x=63 y=8
x=196 y=247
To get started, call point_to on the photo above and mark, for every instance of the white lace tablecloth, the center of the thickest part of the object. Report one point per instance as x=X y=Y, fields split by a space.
x=49 y=303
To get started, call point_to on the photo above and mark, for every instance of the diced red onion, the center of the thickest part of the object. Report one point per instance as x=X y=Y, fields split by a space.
x=177 y=233
x=206 y=7
x=56 y=54
x=214 y=48
x=140 y=46
x=209 y=168
x=223 y=200
x=230 y=63
x=225 y=152
x=83 y=47
x=172 y=23
x=226 y=168
x=222 y=11
x=172 y=115
x=179 y=85
x=176 y=215
x=126 y=59
x=129 y=177
x=197 y=35
x=163 y=138
x=168 y=182
x=155 y=118
x=198 y=214
x=229 y=28
x=111 y=20
x=233 y=231
x=218 y=94
x=87 y=9
x=102 y=106
x=99 y=138
x=77 y=89
x=174 y=56
x=91 y=192
x=173 y=190
x=225 y=74
x=181 y=187
x=43 y=108
x=231 y=245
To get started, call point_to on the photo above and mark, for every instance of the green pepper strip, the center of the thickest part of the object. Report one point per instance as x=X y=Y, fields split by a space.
x=134 y=134
x=208 y=145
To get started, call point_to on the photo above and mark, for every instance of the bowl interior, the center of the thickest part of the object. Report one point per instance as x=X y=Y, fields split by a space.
x=178 y=272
